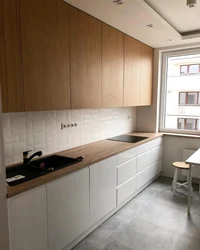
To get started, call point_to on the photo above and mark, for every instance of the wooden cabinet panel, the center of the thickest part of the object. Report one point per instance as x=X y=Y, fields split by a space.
x=103 y=184
x=10 y=53
x=132 y=71
x=68 y=208
x=146 y=76
x=85 y=54
x=28 y=220
x=45 y=51
x=112 y=67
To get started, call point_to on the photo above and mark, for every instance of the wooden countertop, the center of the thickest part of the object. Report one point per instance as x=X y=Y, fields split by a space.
x=92 y=153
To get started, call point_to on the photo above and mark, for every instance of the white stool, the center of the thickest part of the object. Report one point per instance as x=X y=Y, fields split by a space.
x=175 y=183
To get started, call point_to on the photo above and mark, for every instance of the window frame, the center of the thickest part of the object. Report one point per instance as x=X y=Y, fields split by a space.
x=163 y=89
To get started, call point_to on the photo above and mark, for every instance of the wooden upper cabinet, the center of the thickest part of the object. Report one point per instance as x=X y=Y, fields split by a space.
x=146 y=76
x=10 y=54
x=45 y=53
x=112 y=67
x=132 y=71
x=85 y=54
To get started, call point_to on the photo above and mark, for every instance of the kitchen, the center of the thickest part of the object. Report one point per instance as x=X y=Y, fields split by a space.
x=72 y=76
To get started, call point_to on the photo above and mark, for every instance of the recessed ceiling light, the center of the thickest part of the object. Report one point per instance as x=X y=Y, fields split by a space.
x=169 y=40
x=191 y=3
x=118 y=2
x=149 y=25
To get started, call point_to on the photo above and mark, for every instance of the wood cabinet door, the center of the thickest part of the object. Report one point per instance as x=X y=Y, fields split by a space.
x=85 y=56
x=68 y=208
x=45 y=53
x=112 y=67
x=132 y=71
x=11 y=61
x=103 y=185
x=28 y=220
x=146 y=76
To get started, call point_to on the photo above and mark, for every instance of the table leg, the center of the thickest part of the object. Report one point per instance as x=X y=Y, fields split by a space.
x=189 y=189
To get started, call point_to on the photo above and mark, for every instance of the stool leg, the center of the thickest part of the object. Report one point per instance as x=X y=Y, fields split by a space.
x=199 y=186
x=175 y=180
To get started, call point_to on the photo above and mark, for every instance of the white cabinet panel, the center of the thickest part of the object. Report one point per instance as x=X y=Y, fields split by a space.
x=157 y=142
x=28 y=220
x=144 y=177
x=144 y=148
x=143 y=161
x=103 y=184
x=68 y=208
x=126 y=190
x=157 y=154
x=126 y=171
x=127 y=155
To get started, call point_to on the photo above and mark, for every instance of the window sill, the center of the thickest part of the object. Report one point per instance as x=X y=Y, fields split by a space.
x=182 y=135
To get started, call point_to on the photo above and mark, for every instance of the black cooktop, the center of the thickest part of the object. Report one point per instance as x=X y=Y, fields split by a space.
x=127 y=138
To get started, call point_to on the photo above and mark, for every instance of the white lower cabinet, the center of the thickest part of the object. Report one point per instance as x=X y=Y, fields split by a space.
x=143 y=161
x=28 y=220
x=126 y=190
x=103 y=184
x=126 y=171
x=68 y=208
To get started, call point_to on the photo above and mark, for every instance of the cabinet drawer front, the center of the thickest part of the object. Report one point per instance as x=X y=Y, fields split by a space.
x=156 y=154
x=127 y=155
x=144 y=177
x=143 y=161
x=126 y=190
x=157 y=142
x=126 y=171
x=144 y=148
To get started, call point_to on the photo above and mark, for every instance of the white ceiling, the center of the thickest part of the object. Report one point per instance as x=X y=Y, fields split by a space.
x=182 y=18
x=133 y=16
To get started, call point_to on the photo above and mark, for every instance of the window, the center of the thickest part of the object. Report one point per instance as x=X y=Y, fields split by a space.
x=190 y=69
x=180 y=97
x=188 y=124
x=189 y=98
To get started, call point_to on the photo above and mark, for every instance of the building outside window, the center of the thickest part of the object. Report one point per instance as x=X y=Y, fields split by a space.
x=180 y=99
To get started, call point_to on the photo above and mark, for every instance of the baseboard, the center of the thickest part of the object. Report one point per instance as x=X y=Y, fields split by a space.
x=88 y=231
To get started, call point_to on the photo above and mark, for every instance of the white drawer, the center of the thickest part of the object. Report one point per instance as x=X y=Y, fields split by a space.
x=143 y=161
x=127 y=155
x=157 y=142
x=126 y=190
x=156 y=154
x=144 y=148
x=126 y=171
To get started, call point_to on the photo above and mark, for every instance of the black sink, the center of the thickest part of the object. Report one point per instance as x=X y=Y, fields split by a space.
x=38 y=168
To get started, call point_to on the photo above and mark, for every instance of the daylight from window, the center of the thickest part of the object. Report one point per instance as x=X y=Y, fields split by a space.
x=182 y=110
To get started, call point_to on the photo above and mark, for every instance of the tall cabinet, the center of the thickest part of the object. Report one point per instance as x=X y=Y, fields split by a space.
x=112 y=66
x=45 y=54
x=85 y=54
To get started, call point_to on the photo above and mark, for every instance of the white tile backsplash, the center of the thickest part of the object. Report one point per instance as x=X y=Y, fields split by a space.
x=42 y=130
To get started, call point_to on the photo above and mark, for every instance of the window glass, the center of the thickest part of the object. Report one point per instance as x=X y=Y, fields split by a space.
x=190 y=124
x=193 y=69
x=181 y=123
x=184 y=69
x=182 y=98
x=192 y=98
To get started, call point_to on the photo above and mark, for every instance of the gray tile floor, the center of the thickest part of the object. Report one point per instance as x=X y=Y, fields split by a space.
x=153 y=220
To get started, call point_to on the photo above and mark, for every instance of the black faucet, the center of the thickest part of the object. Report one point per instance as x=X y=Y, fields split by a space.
x=25 y=156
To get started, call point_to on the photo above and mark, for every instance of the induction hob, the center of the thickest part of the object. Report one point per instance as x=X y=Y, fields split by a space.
x=127 y=138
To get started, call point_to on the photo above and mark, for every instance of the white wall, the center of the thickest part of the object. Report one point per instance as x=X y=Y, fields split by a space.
x=42 y=130
x=173 y=151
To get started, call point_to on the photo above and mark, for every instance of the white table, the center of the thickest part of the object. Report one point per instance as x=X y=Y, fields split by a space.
x=193 y=160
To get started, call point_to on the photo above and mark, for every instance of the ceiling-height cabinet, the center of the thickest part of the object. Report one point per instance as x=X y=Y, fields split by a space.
x=132 y=71
x=85 y=55
x=45 y=54
x=11 y=79
x=112 y=67
x=146 y=76
x=137 y=73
